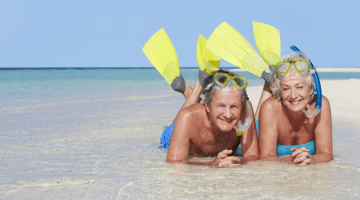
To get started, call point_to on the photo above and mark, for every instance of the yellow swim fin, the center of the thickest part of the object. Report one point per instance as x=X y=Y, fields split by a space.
x=208 y=62
x=230 y=45
x=267 y=40
x=161 y=53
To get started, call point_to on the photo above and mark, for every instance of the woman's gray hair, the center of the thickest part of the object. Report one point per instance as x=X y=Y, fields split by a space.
x=209 y=91
x=276 y=76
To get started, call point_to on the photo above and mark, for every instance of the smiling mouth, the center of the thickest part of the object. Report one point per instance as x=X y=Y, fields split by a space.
x=230 y=120
x=295 y=102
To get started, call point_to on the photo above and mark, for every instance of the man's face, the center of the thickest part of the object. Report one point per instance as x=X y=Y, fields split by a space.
x=225 y=109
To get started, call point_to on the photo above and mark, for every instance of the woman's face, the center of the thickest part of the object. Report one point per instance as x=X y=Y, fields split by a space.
x=295 y=92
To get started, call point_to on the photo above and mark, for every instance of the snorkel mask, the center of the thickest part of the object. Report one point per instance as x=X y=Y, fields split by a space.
x=226 y=80
x=317 y=89
x=222 y=80
x=301 y=66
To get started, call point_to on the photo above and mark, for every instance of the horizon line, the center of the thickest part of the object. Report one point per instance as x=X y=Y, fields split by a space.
x=229 y=67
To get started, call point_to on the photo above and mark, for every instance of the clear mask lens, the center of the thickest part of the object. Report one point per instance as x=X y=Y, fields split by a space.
x=225 y=79
x=240 y=81
x=302 y=66
x=222 y=79
x=283 y=67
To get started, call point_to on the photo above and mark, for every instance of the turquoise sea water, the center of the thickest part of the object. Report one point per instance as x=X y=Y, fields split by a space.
x=27 y=86
x=94 y=133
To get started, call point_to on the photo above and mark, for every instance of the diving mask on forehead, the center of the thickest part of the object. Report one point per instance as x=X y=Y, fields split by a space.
x=317 y=89
x=224 y=79
x=301 y=66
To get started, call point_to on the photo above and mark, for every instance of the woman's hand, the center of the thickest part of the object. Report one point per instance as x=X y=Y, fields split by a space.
x=301 y=156
x=223 y=160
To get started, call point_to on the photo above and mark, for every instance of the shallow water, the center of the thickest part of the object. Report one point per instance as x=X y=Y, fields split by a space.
x=103 y=144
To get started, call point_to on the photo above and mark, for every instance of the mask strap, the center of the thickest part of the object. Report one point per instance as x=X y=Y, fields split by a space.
x=209 y=86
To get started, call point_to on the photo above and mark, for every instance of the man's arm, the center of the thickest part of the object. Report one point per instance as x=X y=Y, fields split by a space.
x=180 y=140
x=249 y=143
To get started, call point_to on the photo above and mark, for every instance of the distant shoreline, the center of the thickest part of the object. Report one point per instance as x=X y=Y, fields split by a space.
x=319 y=69
x=328 y=69
x=62 y=68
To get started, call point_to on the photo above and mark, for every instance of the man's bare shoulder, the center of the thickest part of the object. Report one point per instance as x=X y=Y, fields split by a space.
x=193 y=112
x=191 y=119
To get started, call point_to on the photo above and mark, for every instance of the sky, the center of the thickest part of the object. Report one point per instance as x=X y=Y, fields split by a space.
x=111 y=33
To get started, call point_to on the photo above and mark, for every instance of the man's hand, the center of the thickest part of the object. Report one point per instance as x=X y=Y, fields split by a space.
x=301 y=156
x=223 y=160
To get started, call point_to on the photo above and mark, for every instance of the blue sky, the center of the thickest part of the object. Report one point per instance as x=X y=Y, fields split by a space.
x=111 y=33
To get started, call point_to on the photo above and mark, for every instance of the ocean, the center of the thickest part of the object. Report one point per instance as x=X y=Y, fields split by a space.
x=94 y=134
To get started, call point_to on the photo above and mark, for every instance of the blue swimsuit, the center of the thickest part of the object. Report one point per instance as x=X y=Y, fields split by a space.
x=281 y=149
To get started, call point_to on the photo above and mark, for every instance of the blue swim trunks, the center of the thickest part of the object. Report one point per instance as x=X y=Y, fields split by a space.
x=281 y=149
x=166 y=137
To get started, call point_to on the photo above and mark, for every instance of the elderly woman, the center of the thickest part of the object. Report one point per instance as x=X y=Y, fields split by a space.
x=285 y=126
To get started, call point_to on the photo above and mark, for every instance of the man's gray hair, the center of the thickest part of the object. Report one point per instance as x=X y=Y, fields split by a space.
x=209 y=93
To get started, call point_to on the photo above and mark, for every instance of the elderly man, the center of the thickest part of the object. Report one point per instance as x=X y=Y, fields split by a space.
x=213 y=128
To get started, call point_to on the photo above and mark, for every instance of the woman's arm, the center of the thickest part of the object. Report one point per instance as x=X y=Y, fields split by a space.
x=266 y=93
x=323 y=135
x=323 y=138
x=268 y=132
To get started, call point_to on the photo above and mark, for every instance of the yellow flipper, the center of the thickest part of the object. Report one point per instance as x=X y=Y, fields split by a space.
x=161 y=53
x=230 y=45
x=267 y=40
x=207 y=60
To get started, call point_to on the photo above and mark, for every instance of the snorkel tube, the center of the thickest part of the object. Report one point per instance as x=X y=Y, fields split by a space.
x=312 y=113
x=242 y=127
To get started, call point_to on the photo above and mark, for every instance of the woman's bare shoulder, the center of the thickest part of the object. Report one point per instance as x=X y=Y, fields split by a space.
x=325 y=101
x=270 y=104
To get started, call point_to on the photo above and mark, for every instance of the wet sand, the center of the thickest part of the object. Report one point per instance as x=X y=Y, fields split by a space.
x=105 y=146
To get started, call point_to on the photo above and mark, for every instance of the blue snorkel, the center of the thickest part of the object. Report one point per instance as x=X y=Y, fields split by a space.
x=312 y=113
